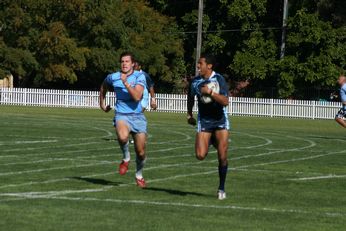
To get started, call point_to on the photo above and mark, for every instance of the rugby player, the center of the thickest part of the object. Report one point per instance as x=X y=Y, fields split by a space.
x=212 y=122
x=128 y=85
x=339 y=118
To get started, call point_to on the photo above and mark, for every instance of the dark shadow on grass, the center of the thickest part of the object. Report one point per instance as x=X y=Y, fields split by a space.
x=325 y=137
x=110 y=139
x=175 y=192
x=96 y=181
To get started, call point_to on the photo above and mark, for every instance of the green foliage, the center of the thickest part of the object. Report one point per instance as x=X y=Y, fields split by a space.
x=76 y=43
x=82 y=39
x=315 y=53
x=257 y=59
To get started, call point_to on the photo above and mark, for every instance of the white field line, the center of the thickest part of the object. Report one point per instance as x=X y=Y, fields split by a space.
x=331 y=176
x=90 y=157
x=62 y=168
x=311 y=144
x=61 y=152
x=88 y=176
x=202 y=173
x=86 y=158
x=267 y=141
x=103 y=163
x=109 y=134
x=28 y=142
x=44 y=147
x=294 y=159
x=101 y=189
x=55 y=195
x=180 y=204
x=187 y=137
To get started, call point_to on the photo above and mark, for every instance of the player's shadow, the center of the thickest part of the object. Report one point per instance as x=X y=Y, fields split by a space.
x=324 y=137
x=174 y=192
x=109 y=139
x=96 y=181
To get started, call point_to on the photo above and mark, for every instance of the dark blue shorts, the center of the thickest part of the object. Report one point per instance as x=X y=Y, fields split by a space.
x=210 y=125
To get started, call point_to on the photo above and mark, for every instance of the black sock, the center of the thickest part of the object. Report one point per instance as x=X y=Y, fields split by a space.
x=222 y=176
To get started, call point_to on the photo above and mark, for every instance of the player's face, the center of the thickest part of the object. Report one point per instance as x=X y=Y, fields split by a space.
x=204 y=69
x=341 y=80
x=126 y=64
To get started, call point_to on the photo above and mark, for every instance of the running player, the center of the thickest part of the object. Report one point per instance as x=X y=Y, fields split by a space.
x=342 y=112
x=128 y=86
x=149 y=88
x=212 y=121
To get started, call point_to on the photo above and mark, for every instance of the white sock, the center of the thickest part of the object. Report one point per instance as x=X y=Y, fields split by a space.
x=126 y=152
x=139 y=168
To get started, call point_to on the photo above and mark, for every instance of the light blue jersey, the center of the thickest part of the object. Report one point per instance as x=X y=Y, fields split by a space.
x=343 y=93
x=125 y=104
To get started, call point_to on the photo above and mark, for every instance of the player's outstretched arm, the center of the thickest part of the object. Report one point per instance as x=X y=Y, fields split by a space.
x=102 y=101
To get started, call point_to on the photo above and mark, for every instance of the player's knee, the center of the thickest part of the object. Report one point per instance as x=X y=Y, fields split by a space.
x=200 y=155
x=122 y=139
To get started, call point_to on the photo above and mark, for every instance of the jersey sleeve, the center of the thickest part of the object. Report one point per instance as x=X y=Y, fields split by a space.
x=108 y=81
x=193 y=88
x=141 y=80
x=343 y=94
x=223 y=85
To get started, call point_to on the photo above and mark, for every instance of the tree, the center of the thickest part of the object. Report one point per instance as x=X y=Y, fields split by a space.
x=315 y=53
x=80 y=41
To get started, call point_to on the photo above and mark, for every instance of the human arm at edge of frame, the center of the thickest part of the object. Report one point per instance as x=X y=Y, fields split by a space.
x=102 y=102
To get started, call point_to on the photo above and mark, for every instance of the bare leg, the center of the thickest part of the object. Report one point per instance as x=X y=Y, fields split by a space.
x=202 y=144
x=222 y=148
x=341 y=121
x=123 y=132
x=140 y=142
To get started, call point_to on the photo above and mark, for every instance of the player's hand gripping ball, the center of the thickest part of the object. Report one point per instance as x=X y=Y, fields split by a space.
x=214 y=86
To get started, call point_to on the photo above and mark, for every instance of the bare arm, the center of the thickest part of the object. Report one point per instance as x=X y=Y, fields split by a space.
x=103 y=92
x=190 y=104
x=153 y=104
x=152 y=92
x=219 y=98
x=136 y=92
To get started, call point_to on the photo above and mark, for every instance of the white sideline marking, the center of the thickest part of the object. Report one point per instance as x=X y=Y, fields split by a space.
x=180 y=204
x=319 y=177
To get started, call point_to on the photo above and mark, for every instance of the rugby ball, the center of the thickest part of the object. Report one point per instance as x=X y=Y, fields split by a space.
x=213 y=86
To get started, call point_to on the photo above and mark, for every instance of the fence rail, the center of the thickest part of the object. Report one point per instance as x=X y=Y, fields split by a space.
x=172 y=103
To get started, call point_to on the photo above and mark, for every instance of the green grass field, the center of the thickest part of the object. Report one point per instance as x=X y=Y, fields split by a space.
x=58 y=171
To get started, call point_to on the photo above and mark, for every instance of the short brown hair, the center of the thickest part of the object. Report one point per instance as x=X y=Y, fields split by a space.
x=126 y=53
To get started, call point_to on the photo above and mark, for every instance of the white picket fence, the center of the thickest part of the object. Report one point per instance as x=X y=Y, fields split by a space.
x=174 y=103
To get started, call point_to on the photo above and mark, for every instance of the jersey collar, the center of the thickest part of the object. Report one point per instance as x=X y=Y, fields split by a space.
x=211 y=76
